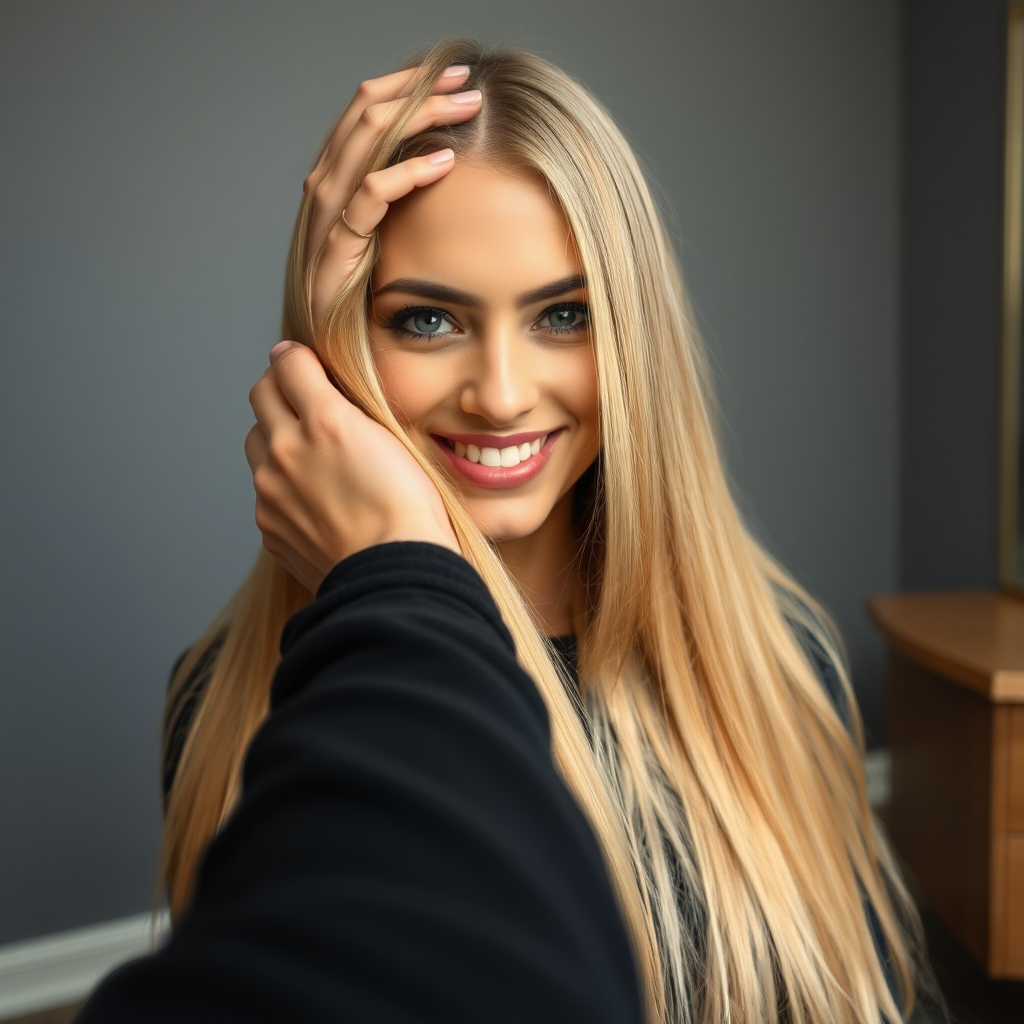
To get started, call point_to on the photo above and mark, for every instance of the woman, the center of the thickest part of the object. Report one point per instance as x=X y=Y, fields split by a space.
x=524 y=293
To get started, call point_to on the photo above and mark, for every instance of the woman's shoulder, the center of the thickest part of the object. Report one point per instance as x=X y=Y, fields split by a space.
x=182 y=702
x=821 y=646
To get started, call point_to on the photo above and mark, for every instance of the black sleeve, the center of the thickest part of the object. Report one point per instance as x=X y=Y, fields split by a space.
x=403 y=849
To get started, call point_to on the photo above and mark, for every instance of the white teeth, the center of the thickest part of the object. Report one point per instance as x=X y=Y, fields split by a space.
x=505 y=457
x=510 y=456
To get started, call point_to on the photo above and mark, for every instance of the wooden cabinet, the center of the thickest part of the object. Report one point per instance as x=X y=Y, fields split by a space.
x=956 y=734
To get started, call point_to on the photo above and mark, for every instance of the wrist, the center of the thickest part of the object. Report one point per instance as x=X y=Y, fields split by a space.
x=423 y=533
x=414 y=522
x=421 y=520
x=395 y=534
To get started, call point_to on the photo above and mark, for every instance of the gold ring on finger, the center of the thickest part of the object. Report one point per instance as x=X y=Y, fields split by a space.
x=352 y=229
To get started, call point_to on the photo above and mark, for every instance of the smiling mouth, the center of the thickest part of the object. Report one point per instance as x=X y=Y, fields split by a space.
x=506 y=458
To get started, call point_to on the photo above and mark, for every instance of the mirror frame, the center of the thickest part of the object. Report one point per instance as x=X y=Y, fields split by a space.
x=1013 y=285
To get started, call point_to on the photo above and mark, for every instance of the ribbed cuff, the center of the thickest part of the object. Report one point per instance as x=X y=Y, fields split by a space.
x=407 y=570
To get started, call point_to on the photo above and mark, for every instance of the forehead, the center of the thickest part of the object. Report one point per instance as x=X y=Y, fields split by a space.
x=493 y=231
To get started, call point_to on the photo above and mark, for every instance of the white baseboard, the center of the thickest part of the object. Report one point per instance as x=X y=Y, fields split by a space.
x=876 y=770
x=58 y=969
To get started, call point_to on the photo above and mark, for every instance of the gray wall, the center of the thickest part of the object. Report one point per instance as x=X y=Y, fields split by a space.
x=151 y=163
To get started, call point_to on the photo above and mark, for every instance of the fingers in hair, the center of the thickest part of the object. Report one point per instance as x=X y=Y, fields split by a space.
x=370 y=92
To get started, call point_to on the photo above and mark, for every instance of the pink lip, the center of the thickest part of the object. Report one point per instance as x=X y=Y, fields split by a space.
x=497 y=440
x=499 y=476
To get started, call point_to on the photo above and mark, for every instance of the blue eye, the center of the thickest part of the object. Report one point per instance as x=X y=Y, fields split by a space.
x=429 y=322
x=570 y=316
x=422 y=322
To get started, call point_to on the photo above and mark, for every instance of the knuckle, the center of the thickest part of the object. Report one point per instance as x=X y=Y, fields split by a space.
x=324 y=430
x=262 y=485
x=322 y=193
x=281 y=450
x=263 y=519
x=249 y=448
x=372 y=185
x=373 y=116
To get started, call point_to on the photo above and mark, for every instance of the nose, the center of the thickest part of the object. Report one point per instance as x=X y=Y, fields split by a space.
x=502 y=386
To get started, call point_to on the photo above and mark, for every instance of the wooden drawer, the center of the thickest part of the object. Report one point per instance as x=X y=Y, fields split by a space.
x=956 y=734
x=1015 y=915
x=1015 y=822
x=1012 y=763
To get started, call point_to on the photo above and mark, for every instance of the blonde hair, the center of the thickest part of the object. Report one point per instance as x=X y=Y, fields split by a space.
x=725 y=788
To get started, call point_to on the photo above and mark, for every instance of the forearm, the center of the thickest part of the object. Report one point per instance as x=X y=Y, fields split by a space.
x=403 y=849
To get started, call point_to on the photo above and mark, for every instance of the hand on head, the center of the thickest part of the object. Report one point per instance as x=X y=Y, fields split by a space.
x=346 y=211
x=329 y=480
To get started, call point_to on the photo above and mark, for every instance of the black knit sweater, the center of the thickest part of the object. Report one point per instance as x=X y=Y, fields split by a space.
x=403 y=849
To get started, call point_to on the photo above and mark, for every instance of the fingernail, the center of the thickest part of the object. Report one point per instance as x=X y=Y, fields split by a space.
x=280 y=348
x=472 y=96
x=442 y=156
x=456 y=71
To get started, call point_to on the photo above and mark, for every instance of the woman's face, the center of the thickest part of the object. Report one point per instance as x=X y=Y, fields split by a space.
x=482 y=340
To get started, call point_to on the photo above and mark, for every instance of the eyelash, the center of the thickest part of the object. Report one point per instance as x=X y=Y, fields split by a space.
x=397 y=319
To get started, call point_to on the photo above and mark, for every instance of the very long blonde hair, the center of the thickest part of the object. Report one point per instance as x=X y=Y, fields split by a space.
x=725 y=788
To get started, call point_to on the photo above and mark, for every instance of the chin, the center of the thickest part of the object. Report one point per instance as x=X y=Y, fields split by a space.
x=509 y=523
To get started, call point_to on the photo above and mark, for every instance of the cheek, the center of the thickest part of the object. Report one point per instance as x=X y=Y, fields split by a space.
x=412 y=385
x=578 y=386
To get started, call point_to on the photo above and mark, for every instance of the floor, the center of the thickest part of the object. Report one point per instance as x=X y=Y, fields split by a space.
x=61 y=1015
x=970 y=996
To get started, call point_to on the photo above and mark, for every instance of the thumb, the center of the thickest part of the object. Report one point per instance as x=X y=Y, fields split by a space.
x=279 y=350
x=302 y=379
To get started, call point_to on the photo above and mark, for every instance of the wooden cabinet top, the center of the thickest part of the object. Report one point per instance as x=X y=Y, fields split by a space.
x=975 y=639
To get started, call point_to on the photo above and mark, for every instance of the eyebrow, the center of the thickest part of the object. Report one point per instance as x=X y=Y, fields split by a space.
x=442 y=293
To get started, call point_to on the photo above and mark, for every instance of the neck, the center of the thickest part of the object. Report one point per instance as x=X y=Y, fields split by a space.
x=544 y=567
